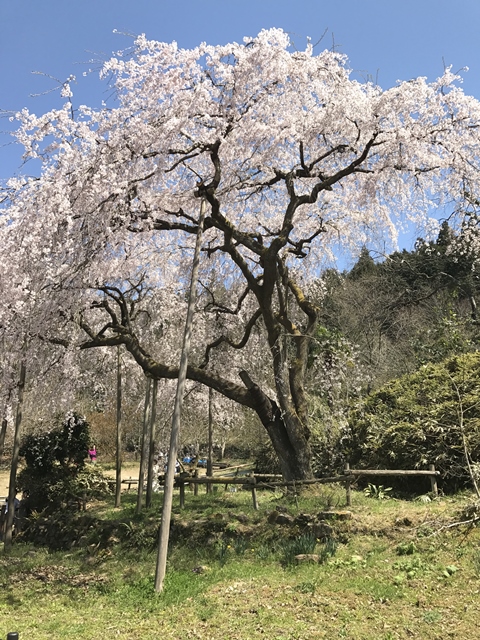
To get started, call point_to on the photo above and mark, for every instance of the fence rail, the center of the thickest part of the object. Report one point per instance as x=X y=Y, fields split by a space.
x=260 y=481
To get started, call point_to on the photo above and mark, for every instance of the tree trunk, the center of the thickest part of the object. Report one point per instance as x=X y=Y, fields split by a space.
x=151 y=449
x=288 y=435
x=144 y=445
x=118 y=471
x=13 y=470
x=3 y=433
x=3 y=429
x=210 y=438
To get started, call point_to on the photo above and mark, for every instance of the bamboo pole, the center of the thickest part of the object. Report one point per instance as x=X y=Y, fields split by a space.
x=175 y=434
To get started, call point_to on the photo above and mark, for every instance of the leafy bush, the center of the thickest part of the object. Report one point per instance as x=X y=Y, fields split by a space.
x=415 y=421
x=55 y=475
x=266 y=460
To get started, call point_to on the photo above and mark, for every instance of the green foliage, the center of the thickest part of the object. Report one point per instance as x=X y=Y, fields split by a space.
x=413 y=421
x=411 y=308
x=304 y=543
x=55 y=475
x=65 y=445
x=379 y=492
x=266 y=460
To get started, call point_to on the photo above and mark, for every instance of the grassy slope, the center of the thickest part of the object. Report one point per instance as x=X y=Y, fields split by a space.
x=397 y=573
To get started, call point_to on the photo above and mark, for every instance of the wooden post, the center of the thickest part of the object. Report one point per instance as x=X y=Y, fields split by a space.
x=182 y=494
x=348 y=485
x=175 y=433
x=254 y=492
x=195 y=486
x=433 y=481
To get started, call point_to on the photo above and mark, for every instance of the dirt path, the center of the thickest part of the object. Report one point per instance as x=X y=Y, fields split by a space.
x=4 y=481
x=130 y=470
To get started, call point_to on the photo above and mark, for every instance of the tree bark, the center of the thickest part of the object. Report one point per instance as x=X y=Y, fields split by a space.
x=144 y=445
x=288 y=436
x=210 y=439
x=151 y=448
x=119 y=456
x=12 y=492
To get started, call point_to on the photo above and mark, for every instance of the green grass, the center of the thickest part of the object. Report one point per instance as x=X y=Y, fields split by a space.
x=394 y=571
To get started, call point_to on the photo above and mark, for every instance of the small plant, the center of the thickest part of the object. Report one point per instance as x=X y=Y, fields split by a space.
x=54 y=460
x=137 y=537
x=406 y=549
x=379 y=492
x=303 y=544
x=329 y=549
x=240 y=545
x=223 y=551
x=263 y=552
x=307 y=587
x=412 y=567
x=476 y=563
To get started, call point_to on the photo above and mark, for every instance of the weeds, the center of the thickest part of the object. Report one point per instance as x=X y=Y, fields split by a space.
x=379 y=492
x=303 y=544
x=476 y=563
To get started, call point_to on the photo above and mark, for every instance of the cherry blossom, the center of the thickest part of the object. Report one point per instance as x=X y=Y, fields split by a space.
x=296 y=159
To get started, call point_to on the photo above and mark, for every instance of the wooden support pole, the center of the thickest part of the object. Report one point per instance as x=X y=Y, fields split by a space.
x=195 y=486
x=348 y=485
x=433 y=481
x=175 y=433
x=151 y=446
x=182 y=494
x=254 y=492
x=210 y=438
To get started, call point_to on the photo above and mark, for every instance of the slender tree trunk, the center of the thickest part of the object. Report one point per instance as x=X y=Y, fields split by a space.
x=151 y=449
x=175 y=434
x=13 y=469
x=210 y=438
x=3 y=433
x=3 y=428
x=144 y=445
x=119 y=452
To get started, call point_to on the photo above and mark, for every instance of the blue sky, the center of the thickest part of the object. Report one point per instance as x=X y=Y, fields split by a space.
x=384 y=39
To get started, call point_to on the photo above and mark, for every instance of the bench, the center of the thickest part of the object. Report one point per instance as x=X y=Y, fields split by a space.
x=129 y=482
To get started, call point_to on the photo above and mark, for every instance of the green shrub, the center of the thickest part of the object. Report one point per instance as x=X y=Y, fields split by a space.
x=413 y=422
x=55 y=475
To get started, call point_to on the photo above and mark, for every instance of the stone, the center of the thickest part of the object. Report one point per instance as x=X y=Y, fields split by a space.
x=322 y=531
x=307 y=557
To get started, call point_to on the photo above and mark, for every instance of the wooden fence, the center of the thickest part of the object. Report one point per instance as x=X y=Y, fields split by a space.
x=255 y=481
